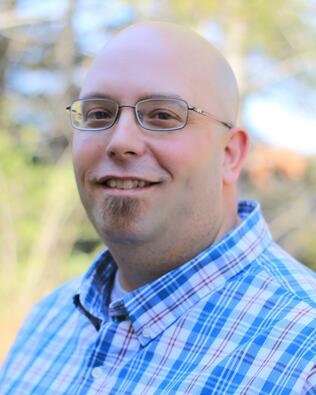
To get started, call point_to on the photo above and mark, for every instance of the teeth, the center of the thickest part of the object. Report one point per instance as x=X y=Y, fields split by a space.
x=141 y=184
x=126 y=184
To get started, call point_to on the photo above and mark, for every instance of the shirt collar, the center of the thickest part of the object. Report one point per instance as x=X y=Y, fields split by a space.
x=93 y=296
x=155 y=306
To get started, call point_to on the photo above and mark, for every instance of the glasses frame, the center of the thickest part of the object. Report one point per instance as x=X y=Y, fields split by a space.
x=195 y=109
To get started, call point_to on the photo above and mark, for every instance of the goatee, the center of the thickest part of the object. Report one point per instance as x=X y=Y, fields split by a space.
x=121 y=207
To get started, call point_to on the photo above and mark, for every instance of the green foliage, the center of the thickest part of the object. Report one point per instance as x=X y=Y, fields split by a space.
x=45 y=237
x=274 y=25
x=41 y=220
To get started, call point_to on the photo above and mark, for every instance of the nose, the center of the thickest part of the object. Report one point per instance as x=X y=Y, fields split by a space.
x=126 y=139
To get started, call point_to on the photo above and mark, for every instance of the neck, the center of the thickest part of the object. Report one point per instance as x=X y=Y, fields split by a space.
x=140 y=264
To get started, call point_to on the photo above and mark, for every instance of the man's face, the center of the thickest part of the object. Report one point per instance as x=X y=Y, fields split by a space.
x=183 y=166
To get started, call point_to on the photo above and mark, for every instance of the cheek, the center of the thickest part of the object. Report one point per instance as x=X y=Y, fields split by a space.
x=194 y=158
x=85 y=154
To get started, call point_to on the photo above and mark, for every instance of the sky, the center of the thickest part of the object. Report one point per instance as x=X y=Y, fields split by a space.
x=277 y=124
x=268 y=115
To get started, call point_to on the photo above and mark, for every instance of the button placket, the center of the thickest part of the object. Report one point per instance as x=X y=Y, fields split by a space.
x=147 y=332
x=97 y=372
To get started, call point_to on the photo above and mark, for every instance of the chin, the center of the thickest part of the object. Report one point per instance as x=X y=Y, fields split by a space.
x=124 y=238
x=122 y=221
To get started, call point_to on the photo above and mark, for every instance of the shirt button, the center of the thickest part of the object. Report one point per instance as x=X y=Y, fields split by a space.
x=97 y=372
x=146 y=332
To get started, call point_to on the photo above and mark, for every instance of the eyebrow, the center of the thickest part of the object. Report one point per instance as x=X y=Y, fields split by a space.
x=97 y=95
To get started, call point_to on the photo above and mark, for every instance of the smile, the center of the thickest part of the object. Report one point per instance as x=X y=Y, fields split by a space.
x=126 y=183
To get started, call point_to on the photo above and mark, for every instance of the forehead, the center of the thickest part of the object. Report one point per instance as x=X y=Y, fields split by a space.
x=129 y=70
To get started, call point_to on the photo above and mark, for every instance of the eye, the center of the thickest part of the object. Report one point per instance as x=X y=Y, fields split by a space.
x=97 y=114
x=162 y=115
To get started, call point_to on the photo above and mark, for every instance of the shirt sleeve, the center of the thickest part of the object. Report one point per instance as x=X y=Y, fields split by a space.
x=28 y=328
x=33 y=327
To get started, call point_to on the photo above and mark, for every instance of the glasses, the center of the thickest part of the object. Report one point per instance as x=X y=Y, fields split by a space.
x=154 y=114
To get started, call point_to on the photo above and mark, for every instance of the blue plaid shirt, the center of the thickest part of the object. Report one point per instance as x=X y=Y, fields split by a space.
x=239 y=318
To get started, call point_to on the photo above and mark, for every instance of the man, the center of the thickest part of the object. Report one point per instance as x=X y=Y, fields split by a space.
x=192 y=296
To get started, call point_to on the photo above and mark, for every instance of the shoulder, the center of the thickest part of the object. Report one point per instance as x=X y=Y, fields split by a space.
x=44 y=318
x=55 y=302
x=289 y=274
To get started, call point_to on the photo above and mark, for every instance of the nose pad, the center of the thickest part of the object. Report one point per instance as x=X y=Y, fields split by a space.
x=121 y=115
x=126 y=137
x=139 y=116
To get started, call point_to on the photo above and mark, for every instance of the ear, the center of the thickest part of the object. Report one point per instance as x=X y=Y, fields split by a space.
x=236 y=149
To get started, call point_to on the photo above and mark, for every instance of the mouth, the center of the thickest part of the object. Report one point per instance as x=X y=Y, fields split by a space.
x=126 y=183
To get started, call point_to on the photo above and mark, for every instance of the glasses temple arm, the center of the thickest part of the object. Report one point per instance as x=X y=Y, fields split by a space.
x=229 y=125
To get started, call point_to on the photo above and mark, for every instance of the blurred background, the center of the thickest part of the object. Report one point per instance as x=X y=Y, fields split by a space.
x=45 y=49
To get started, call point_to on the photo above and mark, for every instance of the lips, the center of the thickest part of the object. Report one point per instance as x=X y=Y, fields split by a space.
x=125 y=183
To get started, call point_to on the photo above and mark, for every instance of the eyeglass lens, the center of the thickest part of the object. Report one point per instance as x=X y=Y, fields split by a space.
x=152 y=114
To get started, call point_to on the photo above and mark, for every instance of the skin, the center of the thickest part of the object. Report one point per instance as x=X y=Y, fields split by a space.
x=150 y=232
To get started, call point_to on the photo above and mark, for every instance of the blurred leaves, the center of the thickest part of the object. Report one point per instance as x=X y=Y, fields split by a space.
x=41 y=219
x=45 y=236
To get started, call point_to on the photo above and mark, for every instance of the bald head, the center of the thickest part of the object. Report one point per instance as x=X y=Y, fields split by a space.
x=164 y=48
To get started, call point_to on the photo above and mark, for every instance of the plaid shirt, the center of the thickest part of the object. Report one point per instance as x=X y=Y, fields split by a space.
x=239 y=318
